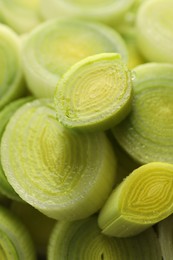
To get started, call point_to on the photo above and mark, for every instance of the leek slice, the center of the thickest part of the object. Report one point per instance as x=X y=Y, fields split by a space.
x=84 y=240
x=144 y=198
x=5 y=114
x=95 y=93
x=107 y=11
x=15 y=241
x=64 y=174
x=20 y=15
x=154 y=30
x=11 y=79
x=165 y=231
x=146 y=134
x=53 y=47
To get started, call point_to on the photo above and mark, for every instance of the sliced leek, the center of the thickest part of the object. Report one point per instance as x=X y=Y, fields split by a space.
x=165 y=235
x=83 y=240
x=15 y=241
x=11 y=78
x=5 y=114
x=107 y=11
x=154 y=30
x=144 y=198
x=64 y=174
x=38 y=225
x=95 y=93
x=146 y=134
x=55 y=46
x=20 y=15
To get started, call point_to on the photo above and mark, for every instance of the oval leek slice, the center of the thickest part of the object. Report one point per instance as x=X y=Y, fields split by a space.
x=15 y=240
x=146 y=133
x=64 y=174
x=107 y=11
x=53 y=47
x=20 y=15
x=84 y=240
x=144 y=198
x=154 y=30
x=5 y=115
x=95 y=93
x=11 y=79
x=165 y=235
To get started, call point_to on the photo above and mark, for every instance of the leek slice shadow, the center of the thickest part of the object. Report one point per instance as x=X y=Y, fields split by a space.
x=95 y=93
x=54 y=46
x=63 y=174
x=84 y=240
x=143 y=199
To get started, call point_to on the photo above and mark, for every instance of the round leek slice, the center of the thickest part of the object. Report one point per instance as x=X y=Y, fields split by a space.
x=107 y=11
x=84 y=240
x=64 y=174
x=11 y=79
x=144 y=198
x=54 y=46
x=20 y=15
x=154 y=30
x=146 y=133
x=15 y=241
x=5 y=115
x=95 y=93
x=165 y=235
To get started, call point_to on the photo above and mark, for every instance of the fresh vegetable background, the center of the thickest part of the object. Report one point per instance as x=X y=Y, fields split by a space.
x=86 y=129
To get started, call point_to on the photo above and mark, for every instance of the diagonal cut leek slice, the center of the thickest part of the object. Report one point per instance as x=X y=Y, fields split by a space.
x=165 y=231
x=144 y=198
x=15 y=240
x=154 y=30
x=11 y=79
x=5 y=115
x=64 y=174
x=54 y=46
x=20 y=15
x=83 y=240
x=95 y=93
x=146 y=134
x=107 y=11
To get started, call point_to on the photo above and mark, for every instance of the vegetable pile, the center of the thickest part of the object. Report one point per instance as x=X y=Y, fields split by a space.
x=86 y=129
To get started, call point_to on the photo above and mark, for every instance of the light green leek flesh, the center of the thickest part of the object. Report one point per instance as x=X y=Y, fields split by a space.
x=84 y=240
x=107 y=11
x=154 y=30
x=15 y=240
x=11 y=81
x=141 y=200
x=146 y=134
x=5 y=115
x=165 y=231
x=95 y=93
x=64 y=174
x=20 y=15
x=54 y=46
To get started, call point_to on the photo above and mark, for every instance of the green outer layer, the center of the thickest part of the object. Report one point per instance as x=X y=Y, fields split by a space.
x=144 y=198
x=89 y=38
x=63 y=174
x=14 y=237
x=146 y=134
x=154 y=30
x=70 y=98
x=5 y=115
x=14 y=86
x=84 y=240
x=104 y=11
